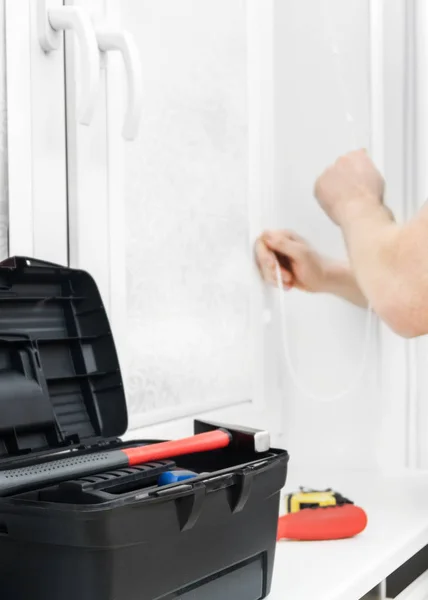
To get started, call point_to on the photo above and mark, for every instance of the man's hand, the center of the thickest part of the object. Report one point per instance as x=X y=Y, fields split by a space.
x=303 y=267
x=350 y=187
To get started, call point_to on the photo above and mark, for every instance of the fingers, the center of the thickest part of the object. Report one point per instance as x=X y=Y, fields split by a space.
x=283 y=242
x=277 y=240
x=342 y=165
x=267 y=264
x=351 y=158
x=264 y=258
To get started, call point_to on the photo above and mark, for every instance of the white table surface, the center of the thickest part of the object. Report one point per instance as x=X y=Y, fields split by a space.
x=397 y=509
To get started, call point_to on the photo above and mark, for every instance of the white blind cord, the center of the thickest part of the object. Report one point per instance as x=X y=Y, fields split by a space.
x=355 y=380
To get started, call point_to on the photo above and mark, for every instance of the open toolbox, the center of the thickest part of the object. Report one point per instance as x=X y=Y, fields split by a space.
x=111 y=532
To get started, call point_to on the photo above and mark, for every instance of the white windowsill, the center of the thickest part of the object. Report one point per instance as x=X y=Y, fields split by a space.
x=397 y=509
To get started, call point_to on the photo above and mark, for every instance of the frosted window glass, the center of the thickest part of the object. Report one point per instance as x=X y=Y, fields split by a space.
x=188 y=253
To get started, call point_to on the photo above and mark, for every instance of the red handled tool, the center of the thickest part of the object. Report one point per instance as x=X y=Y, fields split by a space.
x=212 y=440
x=330 y=523
x=320 y=515
x=16 y=480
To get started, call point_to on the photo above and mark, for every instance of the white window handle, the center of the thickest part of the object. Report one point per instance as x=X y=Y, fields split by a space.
x=51 y=21
x=112 y=39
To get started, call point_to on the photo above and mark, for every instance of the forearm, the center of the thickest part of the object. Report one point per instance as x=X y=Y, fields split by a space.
x=379 y=253
x=390 y=262
x=341 y=282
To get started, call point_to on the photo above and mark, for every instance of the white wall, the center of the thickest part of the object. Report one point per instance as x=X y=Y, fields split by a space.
x=326 y=335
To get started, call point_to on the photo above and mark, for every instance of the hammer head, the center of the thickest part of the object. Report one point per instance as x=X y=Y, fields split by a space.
x=242 y=438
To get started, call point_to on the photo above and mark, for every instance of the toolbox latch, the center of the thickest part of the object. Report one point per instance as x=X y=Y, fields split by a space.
x=189 y=507
x=240 y=492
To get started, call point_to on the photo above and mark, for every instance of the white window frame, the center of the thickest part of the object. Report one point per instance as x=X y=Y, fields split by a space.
x=417 y=195
x=401 y=437
x=36 y=139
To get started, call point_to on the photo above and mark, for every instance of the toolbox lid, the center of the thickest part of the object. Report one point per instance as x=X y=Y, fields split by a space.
x=60 y=379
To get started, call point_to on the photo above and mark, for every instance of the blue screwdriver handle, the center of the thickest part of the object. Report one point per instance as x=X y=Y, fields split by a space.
x=170 y=477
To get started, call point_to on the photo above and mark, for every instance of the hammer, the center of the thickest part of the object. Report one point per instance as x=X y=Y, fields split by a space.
x=211 y=437
x=241 y=438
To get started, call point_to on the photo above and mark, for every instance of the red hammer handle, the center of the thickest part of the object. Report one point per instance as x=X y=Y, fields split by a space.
x=212 y=440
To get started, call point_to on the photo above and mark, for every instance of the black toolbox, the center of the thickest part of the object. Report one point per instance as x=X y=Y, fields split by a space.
x=114 y=535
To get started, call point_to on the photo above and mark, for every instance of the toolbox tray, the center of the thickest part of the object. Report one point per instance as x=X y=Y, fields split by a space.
x=61 y=391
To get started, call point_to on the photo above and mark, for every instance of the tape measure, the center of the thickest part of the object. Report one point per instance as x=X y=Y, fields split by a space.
x=320 y=515
x=307 y=498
